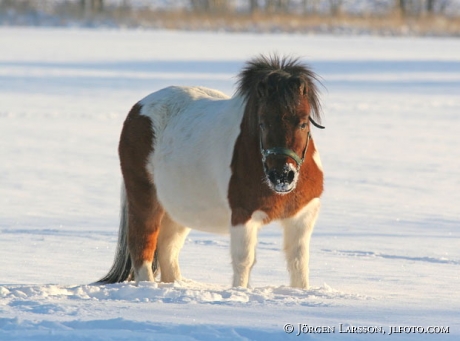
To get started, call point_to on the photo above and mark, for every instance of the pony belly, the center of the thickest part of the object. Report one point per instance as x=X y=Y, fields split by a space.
x=196 y=213
x=189 y=199
x=205 y=221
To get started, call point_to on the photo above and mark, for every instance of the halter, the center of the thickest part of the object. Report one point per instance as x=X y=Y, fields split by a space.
x=286 y=151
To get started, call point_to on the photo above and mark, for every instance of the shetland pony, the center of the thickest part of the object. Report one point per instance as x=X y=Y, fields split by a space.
x=193 y=158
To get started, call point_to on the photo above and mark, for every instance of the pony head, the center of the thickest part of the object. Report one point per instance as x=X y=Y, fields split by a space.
x=282 y=100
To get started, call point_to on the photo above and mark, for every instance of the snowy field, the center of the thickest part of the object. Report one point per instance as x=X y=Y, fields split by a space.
x=385 y=251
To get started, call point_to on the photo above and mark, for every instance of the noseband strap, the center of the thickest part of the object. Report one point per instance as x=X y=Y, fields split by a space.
x=284 y=152
x=281 y=151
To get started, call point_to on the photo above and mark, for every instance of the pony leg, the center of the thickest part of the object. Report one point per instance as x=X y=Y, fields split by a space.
x=170 y=241
x=142 y=240
x=243 y=241
x=297 y=233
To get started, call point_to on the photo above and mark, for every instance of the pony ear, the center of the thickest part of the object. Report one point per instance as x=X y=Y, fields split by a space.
x=302 y=89
x=262 y=89
x=299 y=84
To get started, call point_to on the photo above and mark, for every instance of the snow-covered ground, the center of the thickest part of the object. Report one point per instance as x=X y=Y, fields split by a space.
x=385 y=251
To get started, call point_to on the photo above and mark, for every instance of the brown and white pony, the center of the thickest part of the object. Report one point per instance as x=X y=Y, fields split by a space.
x=191 y=157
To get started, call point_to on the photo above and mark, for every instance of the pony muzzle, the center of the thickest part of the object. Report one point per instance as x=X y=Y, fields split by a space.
x=282 y=177
x=281 y=180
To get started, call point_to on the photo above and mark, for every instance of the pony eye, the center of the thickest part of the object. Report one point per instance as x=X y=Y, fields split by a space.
x=303 y=126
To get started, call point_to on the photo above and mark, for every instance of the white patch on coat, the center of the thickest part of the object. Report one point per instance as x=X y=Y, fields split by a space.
x=195 y=133
x=258 y=216
x=317 y=160
x=243 y=242
x=297 y=234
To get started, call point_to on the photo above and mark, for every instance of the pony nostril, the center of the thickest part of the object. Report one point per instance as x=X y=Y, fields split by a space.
x=291 y=176
x=273 y=176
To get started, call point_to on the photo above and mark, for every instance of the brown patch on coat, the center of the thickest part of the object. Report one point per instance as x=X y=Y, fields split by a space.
x=145 y=211
x=249 y=192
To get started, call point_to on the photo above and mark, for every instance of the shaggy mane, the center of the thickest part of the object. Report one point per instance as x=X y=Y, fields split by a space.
x=280 y=78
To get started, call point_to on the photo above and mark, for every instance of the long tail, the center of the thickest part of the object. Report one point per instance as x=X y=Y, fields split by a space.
x=121 y=268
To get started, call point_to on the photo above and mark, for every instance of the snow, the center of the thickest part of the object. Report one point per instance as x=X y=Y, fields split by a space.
x=385 y=248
